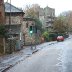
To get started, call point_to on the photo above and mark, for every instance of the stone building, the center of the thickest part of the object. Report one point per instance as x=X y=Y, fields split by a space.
x=27 y=22
x=13 y=23
x=47 y=16
x=30 y=38
x=18 y=28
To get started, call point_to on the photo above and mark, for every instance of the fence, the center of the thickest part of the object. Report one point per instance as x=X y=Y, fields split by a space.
x=10 y=45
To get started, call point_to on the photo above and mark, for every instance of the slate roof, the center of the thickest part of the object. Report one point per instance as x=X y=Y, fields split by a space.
x=13 y=8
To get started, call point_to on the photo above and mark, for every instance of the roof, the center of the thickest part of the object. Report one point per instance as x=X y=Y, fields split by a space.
x=13 y=8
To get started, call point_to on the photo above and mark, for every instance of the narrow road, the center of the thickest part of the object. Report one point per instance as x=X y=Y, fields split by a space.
x=53 y=58
x=43 y=61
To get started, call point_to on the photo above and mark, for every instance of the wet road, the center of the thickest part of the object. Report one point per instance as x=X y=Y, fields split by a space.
x=54 y=58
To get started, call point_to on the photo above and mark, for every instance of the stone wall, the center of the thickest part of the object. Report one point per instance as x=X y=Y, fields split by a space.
x=2 y=15
x=45 y=14
x=15 y=30
x=25 y=29
x=14 y=20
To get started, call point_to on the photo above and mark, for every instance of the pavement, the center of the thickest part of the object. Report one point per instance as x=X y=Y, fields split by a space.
x=8 y=61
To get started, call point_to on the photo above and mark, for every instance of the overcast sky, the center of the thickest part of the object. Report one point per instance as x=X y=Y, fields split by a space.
x=59 y=5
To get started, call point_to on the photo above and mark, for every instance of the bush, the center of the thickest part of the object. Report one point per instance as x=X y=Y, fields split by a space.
x=2 y=31
x=46 y=36
x=52 y=36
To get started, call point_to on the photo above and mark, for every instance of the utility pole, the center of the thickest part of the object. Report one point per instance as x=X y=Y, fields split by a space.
x=10 y=27
x=10 y=15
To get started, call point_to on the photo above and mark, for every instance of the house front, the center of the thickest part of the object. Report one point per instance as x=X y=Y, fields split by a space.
x=30 y=33
x=13 y=23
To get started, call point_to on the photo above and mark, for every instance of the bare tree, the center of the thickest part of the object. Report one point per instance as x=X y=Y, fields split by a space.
x=68 y=19
x=32 y=11
x=59 y=26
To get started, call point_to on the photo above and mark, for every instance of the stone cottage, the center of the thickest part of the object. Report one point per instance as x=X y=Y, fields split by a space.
x=17 y=28
x=28 y=38
x=27 y=22
x=13 y=22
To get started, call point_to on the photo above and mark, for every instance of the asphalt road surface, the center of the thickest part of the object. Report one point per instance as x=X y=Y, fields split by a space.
x=54 y=58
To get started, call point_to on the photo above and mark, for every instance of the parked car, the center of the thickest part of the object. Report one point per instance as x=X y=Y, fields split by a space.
x=60 y=38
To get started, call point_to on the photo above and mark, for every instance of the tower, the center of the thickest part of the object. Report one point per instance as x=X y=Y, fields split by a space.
x=2 y=12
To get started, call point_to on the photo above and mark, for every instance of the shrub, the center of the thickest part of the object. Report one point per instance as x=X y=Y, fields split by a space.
x=2 y=31
x=46 y=35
